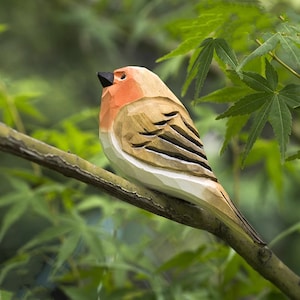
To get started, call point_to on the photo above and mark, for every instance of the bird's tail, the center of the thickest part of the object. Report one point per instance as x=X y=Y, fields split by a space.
x=240 y=219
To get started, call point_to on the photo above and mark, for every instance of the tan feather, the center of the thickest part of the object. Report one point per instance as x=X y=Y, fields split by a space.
x=148 y=134
x=161 y=133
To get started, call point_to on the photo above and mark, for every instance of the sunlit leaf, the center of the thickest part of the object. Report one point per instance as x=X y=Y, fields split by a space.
x=196 y=31
x=291 y=50
x=263 y=49
x=290 y=30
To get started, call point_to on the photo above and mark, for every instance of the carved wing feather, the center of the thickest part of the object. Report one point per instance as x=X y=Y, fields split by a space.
x=158 y=131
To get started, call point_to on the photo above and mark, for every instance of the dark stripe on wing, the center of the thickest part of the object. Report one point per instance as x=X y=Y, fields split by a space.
x=160 y=123
x=140 y=145
x=171 y=114
x=178 y=156
x=150 y=133
x=187 y=136
x=180 y=144
x=191 y=128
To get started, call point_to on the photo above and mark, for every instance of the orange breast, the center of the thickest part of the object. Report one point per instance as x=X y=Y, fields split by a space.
x=113 y=98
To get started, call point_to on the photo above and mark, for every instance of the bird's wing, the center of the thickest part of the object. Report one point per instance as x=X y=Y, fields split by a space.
x=160 y=132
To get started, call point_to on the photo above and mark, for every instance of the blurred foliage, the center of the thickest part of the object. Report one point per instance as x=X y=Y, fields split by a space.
x=60 y=239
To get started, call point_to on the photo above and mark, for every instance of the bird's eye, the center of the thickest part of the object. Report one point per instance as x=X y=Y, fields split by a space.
x=123 y=76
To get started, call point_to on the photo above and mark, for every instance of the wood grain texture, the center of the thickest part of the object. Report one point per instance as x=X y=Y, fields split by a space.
x=160 y=132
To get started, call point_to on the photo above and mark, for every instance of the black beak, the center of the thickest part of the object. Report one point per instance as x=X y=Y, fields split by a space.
x=106 y=78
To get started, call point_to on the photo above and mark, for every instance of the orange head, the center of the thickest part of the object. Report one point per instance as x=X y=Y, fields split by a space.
x=127 y=85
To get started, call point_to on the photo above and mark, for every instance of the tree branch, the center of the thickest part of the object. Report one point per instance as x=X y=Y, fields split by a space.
x=261 y=258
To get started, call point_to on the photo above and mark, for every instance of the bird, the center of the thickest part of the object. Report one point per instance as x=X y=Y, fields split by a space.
x=148 y=135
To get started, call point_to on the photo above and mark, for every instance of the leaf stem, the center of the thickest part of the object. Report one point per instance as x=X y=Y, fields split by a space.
x=274 y=56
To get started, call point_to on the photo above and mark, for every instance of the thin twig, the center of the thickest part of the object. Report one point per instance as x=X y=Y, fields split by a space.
x=274 y=56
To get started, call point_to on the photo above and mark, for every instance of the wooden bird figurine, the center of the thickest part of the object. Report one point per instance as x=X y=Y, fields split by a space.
x=147 y=133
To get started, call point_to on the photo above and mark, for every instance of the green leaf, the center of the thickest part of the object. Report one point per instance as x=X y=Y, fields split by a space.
x=274 y=168
x=200 y=67
x=67 y=248
x=225 y=53
x=246 y=105
x=291 y=95
x=258 y=124
x=191 y=71
x=12 y=215
x=93 y=242
x=267 y=153
x=291 y=50
x=3 y=27
x=281 y=121
x=47 y=235
x=16 y=262
x=263 y=49
x=10 y=198
x=285 y=233
x=294 y=156
x=233 y=127
x=92 y=202
x=225 y=95
x=5 y=295
x=25 y=106
x=81 y=292
x=20 y=186
x=292 y=31
x=195 y=32
x=256 y=82
x=182 y=260
x=271 y=75
x=183 y=48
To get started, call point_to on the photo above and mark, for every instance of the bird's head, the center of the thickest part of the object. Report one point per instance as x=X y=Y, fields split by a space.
x=126 y=85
